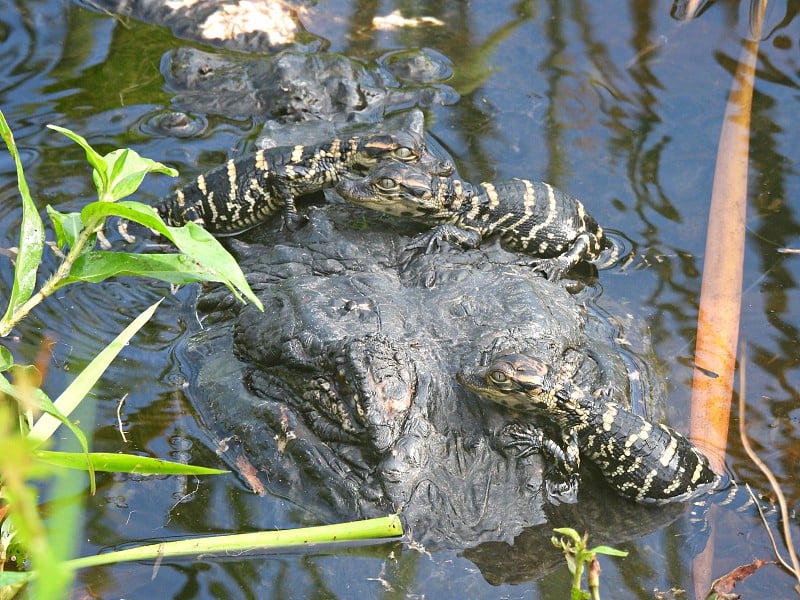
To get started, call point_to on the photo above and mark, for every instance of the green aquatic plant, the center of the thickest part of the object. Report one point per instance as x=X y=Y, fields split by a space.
x=116 y=175
x=578 y=557
x=28 y=417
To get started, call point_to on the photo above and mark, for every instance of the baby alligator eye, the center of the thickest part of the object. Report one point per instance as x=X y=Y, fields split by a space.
x=404 y=153
x=386 y=183
x=498 y=377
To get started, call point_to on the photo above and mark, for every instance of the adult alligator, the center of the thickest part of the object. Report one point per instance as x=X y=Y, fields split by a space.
x=343 y=391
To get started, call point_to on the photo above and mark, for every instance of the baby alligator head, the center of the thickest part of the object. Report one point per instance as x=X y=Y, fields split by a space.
x=404 y=147
x=399 y=189
x=403 y=142
x=516 y=381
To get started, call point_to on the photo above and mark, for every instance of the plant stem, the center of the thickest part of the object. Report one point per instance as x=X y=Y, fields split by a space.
x=577 y=576
x=594 y=578
x=376 y=529
x=54 y=282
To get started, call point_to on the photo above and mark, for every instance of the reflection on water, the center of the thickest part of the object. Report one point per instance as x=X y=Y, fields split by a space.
x=618 y=104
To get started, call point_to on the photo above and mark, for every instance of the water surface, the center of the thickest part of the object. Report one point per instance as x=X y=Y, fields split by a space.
x=617 y=103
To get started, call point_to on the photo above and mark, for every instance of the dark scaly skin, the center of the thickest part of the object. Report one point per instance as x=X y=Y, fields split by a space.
x=647 y=462
x=245 y=191
x=529 y=216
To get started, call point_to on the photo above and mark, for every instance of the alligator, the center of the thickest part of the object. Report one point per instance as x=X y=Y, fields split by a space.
x=243 y=192
x=529 y=216
x=343 y=391
x=294 y=86
x=644 y=461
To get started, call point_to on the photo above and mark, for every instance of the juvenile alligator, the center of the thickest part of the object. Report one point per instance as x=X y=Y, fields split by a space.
x=244 y=192
x=649 y=463
x=529 y=216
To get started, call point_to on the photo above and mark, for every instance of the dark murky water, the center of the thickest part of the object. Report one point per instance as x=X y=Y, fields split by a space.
x=616 y=103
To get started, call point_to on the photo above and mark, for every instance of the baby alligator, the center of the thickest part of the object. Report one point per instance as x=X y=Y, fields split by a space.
x=243 y=192
x=529 y=216
x=647 y=462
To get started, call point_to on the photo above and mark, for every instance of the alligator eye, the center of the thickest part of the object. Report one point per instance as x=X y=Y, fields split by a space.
x=498 y=377
x=404 y=153
x=386 y=183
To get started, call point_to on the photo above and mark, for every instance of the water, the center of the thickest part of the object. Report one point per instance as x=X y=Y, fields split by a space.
x=620 y=105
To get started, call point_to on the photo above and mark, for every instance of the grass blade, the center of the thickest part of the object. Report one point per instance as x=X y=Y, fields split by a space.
x=46 y=425
x=122 y=463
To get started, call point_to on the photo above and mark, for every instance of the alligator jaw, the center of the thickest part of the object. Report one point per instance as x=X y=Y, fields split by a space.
x=475 y=381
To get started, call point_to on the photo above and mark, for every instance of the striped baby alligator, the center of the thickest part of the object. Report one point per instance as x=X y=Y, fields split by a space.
x=529 y=216
x=649 y=463
x=245 y=191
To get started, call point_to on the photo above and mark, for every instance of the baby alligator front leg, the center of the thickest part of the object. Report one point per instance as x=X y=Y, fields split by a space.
x=554 y=268
x=432 y=240
x=292 y=220
x=565 y=457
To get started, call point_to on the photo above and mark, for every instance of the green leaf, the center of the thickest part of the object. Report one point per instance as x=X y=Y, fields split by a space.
x=6 y=359
x=127 y=170
x=67 y=226
x=132 y=211
x=7 y=388
x=92 y=156
x=122 y=463
x=570 y=533
x=46 y=406
x=31 y=238
x=172 y=268
x=119 y=173
x=17 y=468
x=201 y=246
x=115 y=160
x=192 y=240
x=572 y=562
x=49 y=408
x=27 y=375
x=608 y=550
x=46 y=425
x=12 y=581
